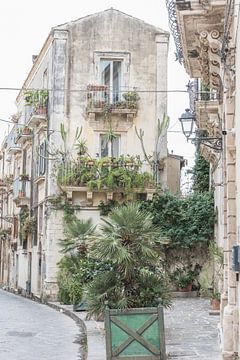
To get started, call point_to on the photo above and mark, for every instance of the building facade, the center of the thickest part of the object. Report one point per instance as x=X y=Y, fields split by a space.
x=87 y=128
x=207 y=44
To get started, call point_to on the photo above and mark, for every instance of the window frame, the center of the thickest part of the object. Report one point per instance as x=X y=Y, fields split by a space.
x=109 y=145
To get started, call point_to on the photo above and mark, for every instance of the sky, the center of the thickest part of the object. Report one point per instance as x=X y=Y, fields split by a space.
x=25 y=24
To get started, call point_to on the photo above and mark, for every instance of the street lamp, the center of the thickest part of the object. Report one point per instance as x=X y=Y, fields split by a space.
x=187 y=121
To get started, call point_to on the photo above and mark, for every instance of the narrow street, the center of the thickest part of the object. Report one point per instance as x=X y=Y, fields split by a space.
x=32 y=331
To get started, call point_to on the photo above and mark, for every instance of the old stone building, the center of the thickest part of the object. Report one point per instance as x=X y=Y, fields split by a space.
x=87 y=108
x=206 y=35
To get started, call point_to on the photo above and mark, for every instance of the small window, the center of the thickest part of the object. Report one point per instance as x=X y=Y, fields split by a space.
x=109 y=148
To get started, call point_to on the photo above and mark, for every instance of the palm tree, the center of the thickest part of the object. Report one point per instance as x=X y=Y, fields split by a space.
x=76 y=232
x=130 y=242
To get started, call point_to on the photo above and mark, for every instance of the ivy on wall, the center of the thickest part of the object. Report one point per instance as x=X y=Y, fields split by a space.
x=186 y=221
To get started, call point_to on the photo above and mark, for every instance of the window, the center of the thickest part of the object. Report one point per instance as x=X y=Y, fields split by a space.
x=111 y=76
x=41 y=166
x=40 y=219
x=109 y=148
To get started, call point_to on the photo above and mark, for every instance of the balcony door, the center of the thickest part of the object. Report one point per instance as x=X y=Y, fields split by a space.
x=111 y=73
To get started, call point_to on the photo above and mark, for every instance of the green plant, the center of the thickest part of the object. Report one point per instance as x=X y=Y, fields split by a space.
x=129 y=242
x=105 y=173
x=187 y=221
x=36 y=97
x=216 y=296
x=76 y=234
x=29 y=226
x=131 y=96
x=105 y=209
x=81 y=146
x=185 y=275
x=200 y=174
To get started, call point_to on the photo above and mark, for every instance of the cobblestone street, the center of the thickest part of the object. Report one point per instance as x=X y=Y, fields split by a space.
x=191 y=333
x=32 y=331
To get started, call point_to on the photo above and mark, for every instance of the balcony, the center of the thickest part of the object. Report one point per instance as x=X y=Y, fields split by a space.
x=102 y=104
x=25 y=134
x=12 y=147
x=197 y=28
x=204 y=104
x=105 y=179
x=21 y=192
x=36 y=107
x=37 y=116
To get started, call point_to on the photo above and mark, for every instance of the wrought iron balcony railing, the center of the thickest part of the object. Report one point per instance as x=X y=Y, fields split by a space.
x=101 y=99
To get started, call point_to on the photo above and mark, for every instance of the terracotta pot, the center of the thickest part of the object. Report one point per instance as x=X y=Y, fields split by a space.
x=187 y=288
x=215 y=304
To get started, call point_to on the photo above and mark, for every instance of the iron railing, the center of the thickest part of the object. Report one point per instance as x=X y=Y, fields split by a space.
x=100 y=97
x=104 y=174
x=173 y=25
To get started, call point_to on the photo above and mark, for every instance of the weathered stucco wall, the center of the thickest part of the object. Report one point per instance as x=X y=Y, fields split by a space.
x=144 y=53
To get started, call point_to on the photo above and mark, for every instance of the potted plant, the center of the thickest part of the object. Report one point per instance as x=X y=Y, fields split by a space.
x=40 y=105
x=184 y=276
x=21 y=194
x=26 y=130
x=215 y=300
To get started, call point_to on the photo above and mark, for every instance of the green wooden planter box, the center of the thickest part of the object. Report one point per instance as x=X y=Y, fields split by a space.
x=135 y=334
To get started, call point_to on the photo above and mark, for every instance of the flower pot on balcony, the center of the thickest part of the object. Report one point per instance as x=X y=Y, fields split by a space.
x=40 y=110
x=21 y=194
x=26 y=131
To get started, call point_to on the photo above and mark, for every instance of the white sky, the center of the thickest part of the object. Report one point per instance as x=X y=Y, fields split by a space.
x=25 y=24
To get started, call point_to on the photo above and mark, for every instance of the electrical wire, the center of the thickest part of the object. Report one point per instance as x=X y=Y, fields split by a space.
x=86 y=90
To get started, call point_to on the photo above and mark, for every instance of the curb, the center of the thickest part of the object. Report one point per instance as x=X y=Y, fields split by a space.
x=82 y=338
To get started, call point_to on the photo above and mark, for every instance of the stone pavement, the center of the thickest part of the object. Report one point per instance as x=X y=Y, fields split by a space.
x=33 y=331
x=191 y=333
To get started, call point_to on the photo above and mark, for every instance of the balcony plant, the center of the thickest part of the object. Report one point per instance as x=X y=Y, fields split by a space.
x=37 y=99
x=21 y=194
x=26 y=130
x=24 y=177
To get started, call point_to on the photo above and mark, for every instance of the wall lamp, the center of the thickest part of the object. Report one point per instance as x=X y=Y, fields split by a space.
x=198 y=137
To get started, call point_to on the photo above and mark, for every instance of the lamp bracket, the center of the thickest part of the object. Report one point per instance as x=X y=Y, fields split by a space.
x=214 y=143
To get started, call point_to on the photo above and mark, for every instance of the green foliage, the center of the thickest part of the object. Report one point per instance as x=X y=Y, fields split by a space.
x=106 y=173
x=36 y=97
x=105 y=209
x=200 y=174
x=187 y=221
x=74 y=272
x=24 y=214
x=129 y=242
x=76 y=234
x=185 y=275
